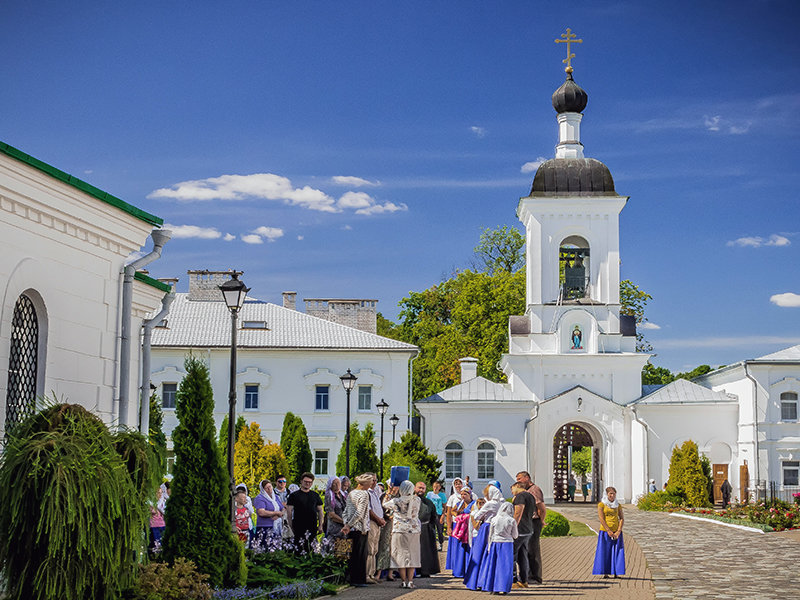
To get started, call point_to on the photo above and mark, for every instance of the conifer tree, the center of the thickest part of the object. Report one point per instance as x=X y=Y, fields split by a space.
x=299 y=457
x=287 y=433
x=241 y=423
x=156 y=436
x=198 y=524
x=675 y=481
x=248 y=460
x=274 y=461
x=363 y=452
x=694 y=480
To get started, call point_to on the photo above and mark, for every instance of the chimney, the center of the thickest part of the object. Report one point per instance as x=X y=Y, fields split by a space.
x=204 y=285
x=290 y=300
x=469 y=368
x=170 y=281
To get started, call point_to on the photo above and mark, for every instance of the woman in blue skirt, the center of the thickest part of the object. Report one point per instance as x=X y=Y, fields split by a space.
x=481 y=520
x=499 y=561
x=458 y=542
x=609 y=559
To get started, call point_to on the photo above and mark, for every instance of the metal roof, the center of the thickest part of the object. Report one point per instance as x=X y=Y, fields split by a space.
x=572 y=177
x=682 y=391
x=477 y=389
x=791 y=354
x=192 y=324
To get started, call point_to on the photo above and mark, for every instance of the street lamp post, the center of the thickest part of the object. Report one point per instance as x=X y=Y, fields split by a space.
x=382 y=407
x=234 y=292
x=348 y=382
x=394 y=420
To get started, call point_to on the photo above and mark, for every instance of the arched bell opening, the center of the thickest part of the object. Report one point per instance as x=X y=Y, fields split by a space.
x=573 y=273
x=576 y=451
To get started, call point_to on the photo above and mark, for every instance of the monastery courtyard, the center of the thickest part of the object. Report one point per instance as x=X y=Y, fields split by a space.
x=668 y=557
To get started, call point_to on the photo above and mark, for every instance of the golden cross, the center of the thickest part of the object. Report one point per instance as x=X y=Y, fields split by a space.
x=569 y=38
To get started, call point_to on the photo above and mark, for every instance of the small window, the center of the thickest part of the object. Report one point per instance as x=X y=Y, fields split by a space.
x=322 y=396
x=791 y=472
x=251 y=397
x=254 y=324
x=486 y=461
x=453 y=460
x=788 y=406
x=169 y=392
x=163 y=324
x=320 y=462
x=364 y=397
x=170 y=461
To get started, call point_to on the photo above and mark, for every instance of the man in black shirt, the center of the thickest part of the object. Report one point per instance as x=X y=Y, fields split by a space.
x=524 y=508
x=304 y=509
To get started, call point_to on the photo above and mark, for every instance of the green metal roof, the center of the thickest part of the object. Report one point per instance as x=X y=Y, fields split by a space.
x=80 y=184
x=152 y=282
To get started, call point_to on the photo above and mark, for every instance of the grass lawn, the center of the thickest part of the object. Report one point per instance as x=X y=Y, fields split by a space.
x=577 y=528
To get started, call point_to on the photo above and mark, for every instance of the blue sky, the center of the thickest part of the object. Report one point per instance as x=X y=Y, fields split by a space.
x=366 y=144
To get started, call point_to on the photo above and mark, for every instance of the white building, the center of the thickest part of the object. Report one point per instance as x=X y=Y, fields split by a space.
x=574 y=378
x=286 y=361
x=64 y=246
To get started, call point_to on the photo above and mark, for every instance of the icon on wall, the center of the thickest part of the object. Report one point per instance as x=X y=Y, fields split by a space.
x=577 y=337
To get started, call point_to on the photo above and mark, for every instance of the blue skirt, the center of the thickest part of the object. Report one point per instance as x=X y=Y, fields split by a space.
x=609 y=559
x=456 y=557
x=476 y=557
x=499 y=568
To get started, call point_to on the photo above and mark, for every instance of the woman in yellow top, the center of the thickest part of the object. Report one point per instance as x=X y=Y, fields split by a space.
x=609 y=559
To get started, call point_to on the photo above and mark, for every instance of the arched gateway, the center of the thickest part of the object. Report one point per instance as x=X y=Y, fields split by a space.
x=569 y=438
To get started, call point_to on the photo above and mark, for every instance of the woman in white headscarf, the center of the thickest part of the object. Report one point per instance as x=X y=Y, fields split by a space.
x=609 y=558
x=482 y=518
x=334 y=507
x=498 y=566
x=405 y=532
x=269 y=512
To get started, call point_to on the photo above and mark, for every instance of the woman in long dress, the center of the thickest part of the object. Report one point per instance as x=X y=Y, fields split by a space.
x=356 y=527
x=499 y=561
x=482 y=519
x=334 y=507
x=405 y=532
x=609 y=559
x=458 y=541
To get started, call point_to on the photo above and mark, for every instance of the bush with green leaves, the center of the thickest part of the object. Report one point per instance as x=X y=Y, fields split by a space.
x=659 y=500
x=425 y=466
x=198 y=525
x=363 y=452
x=160 y=581
x=555 y=525
x=686 y=475
x=72 y=521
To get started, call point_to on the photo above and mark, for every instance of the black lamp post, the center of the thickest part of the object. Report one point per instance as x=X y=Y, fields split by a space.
x=234 y=292
x=382 y=407
x=348 y=382
x=394 y=420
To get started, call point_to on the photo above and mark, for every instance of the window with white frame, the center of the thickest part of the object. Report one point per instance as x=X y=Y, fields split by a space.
x=485 y=461
x=322 y=397
x=170 y=461
x=169 y=393
x=789 y=406
x=791 y=472
x=365 y=397
x=251 y=397
x=320 y=462
x=453 y=460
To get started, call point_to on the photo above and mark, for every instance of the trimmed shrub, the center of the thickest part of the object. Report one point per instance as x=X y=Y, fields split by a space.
x=72 y=522
x=555 y=525
x=659 y=501
x=198 y=525
x=180 y=581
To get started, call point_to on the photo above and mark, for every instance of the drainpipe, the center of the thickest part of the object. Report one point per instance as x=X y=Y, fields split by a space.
x=527 y=436
x=646 y=448
x=411 y=388
x=755 y=425
x=160 y=237
x=147 y=333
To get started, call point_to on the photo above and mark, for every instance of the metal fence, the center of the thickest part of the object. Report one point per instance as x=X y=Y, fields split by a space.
x=767 y=491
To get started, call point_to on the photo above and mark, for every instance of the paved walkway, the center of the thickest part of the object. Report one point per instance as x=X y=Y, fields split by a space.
x=667 y=558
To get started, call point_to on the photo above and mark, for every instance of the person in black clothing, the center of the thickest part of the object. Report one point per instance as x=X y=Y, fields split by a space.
x=427 y=539
x=524 y=507
x=726 y=490
x=305 y=512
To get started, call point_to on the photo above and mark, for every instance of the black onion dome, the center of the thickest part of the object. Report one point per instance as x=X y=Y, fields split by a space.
x=570 y=97
x=573 y=177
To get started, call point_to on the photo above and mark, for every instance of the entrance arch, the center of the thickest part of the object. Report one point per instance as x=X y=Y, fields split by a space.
x=568 y=438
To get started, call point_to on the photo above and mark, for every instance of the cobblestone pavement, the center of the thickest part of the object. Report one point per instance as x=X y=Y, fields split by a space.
x=694 y=560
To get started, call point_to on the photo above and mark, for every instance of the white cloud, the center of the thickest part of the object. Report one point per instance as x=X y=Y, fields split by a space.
x=193 y=231
x=739 y=129
x=229 y=237
x=388 y=207
x=648 y=325
x=711 y=123
x=786 y=300
x=300 y=238
x=252 y=238
x=271 y=233
x=758 y=241
x=347 y=228
x=266 y=186
x=530 y=167
x=353 y=181
x=355 y=200
x=88 y=172
x=478 y=131
x=744 y=341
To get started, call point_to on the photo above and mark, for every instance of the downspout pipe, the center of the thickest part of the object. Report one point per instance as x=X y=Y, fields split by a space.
x=646 y=447
x=160 y=237
x=147 y=334
x=755 y=425
x=411 y=389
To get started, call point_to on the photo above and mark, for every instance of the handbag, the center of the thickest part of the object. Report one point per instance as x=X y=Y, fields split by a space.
x=342 y=547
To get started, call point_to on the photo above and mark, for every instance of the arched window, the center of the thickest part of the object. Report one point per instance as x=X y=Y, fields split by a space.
x=453 y=460
x=22 y=362
x=789 y=406
x=573 y=273
x=485 y=461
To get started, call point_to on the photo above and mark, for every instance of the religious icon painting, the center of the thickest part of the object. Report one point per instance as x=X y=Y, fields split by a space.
x=577 y=338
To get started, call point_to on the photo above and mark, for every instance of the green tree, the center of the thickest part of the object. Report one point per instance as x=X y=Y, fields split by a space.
x=363 y=452
x=287 y=432
x=708 y=473
x=299 y=457
x=156 y=436
x=676 y=466
x=274 y=461
x=633 y=301
x=198 y=523
x=652 y=375
x=582 y=460
x=248 y=460
x=500 y=249
x=695 y=483
x=386 y=328
x=417 y=455
x=241 y=423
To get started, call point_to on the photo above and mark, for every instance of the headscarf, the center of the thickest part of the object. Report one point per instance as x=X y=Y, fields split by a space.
x=608 y=502
x=494 y=499
x=248 y=503
x=330 y=495
x=496 y=484
x=347 y=479
x=406 y=496
x=503 y=522
x=161 y=505
x=270 y=497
